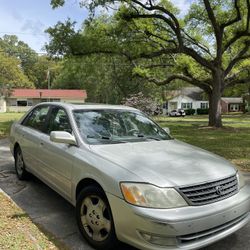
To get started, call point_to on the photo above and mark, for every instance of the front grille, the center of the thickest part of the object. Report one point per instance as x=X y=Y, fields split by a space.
x=190 y=238
x=210 y=192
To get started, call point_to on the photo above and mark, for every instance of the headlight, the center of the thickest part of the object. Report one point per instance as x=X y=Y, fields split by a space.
x=241 y=180
x=147 y=195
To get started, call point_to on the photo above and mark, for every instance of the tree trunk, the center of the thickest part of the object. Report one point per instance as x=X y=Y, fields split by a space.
x=215 y=101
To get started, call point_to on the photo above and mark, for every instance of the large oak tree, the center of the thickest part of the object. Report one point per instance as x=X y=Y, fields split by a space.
x=210 y=46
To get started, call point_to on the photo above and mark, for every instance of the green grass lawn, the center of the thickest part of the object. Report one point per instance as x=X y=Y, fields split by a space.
x=6 y=119
x=231 y=142
x=19 y=232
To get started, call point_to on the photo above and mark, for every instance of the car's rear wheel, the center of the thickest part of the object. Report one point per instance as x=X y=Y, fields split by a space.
x=21 y=172
x=94 y=218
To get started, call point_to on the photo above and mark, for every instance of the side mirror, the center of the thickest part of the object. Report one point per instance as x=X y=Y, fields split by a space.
x=167 y=130
x=62 y=137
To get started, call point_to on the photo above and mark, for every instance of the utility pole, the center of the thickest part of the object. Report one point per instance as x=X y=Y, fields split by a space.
x=48 y=78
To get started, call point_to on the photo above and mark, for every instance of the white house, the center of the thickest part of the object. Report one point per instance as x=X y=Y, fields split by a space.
x=188 y=98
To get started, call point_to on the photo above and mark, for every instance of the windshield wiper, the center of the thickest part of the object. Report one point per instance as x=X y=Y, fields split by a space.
x=149 y=137
x=108 y=138
x=97 y=137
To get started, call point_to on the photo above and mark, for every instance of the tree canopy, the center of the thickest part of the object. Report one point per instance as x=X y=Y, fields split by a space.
x=22 y=66
x=208 y=47
x=11 y=74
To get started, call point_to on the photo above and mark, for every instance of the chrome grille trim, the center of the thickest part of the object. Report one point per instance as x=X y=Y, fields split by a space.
x=210 y=192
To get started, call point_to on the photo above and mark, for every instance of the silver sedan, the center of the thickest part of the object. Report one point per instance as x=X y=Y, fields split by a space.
x=129 y=180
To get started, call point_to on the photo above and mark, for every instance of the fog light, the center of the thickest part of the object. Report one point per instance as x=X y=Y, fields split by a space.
x=158 y=239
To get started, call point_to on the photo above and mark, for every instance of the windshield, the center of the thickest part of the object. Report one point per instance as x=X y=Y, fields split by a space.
x=117 y=126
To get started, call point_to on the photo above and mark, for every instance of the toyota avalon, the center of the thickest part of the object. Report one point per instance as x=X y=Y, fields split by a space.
x=129 y=180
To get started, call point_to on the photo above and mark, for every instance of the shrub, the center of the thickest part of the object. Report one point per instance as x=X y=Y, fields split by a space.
x=202 y=111
x=189 y=111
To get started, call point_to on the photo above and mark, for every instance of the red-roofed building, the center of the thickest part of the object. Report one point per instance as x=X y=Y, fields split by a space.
x=23 y=99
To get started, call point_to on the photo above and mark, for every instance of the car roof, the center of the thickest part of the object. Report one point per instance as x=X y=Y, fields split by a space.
x=88 y=106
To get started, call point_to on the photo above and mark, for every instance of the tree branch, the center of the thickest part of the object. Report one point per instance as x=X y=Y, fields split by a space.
x=238 y=81
x=235 y=38
x=196 y=43
x=218 y=32
x=185 y=78
x=198 y=58
x=157 y=53
x=241 y=56
x=236 y=19
x=148 y=33
x=248 y=14
x=212 y=18
x=151 y=16
x=175 y=26
x=107 y=52
x=243 y=33
x=160 y=65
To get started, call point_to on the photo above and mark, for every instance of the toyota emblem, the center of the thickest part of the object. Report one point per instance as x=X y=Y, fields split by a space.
x=219 y=190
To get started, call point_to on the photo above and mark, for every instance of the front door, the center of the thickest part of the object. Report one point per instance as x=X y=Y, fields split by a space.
x=57 y=161
x=172 y=106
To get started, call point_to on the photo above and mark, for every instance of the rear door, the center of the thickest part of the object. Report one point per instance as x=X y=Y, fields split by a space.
x=30 y=131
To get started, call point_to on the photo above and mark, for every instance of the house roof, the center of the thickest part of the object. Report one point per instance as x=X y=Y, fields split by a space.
x=232 y=99
x=194 y=93
x=49 y=93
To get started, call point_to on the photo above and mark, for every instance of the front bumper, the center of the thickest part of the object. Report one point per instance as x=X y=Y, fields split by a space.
x=189 y=227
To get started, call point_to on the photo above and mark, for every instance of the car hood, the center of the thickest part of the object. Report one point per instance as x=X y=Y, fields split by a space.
x=166 y=163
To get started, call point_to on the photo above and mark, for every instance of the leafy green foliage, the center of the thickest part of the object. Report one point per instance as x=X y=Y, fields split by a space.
x=108 y=76
x=22 y=67
x=57 y=3
x=20 y=50
x=43 y=69
x=202 y=111
x=208 y=48
x=190 y=111
x=106 y=79
x=11 y=74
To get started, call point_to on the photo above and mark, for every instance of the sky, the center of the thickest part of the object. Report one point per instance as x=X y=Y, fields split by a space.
x=29 y=18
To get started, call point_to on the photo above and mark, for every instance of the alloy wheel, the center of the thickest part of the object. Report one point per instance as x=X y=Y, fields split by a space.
x=95 y=218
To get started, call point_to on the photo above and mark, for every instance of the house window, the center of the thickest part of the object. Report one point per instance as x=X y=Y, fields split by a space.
x=12 y=102
x=204 y=105
x=30 y=102
x=22 y=103
x=186 y=105
x=50 y=100
x=234 y=107
x=55 y=100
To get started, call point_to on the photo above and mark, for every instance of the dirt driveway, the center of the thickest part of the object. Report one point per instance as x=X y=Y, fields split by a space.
x=56 y=216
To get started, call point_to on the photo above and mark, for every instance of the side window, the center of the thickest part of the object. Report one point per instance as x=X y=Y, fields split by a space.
x=37 y=118
x=59 y=121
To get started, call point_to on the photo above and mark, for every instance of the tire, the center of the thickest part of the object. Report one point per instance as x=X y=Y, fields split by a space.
x=95 y=220
x=21 y=172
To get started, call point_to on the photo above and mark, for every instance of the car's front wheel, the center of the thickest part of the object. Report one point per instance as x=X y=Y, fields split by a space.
x=21 y=172
x=94 y=218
